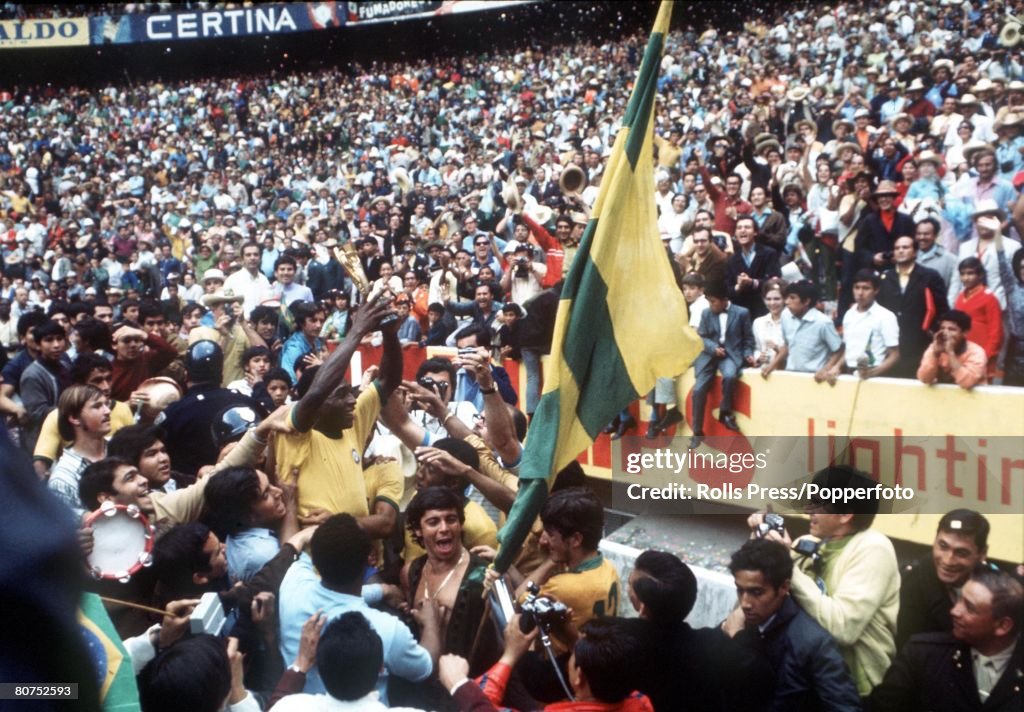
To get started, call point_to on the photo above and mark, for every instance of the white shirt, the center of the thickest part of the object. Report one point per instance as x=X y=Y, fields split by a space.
x=697 y=309
x=252 y=288
x=303 y=702
x=870 y=332
x=989 y=668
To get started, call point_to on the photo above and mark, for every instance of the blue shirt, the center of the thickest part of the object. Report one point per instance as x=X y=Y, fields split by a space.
x=248 y=551
x=810 y=340
x=294 y=349
x=302 y=594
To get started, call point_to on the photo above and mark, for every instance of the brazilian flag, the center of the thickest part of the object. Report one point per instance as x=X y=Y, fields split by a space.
x=621 y=322
x=110 y=660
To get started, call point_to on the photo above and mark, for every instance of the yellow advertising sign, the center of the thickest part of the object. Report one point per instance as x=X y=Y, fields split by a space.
x=949 y=447
x=57 y=32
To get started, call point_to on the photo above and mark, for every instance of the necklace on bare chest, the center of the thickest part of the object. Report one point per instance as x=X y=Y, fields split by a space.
x=444 y=582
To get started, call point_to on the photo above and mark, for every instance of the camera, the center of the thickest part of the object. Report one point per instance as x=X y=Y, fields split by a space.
x=540 y=611
x=208 y=617
x=809 y=549
x=467 y=351
x=772 y=522
x=438 y=387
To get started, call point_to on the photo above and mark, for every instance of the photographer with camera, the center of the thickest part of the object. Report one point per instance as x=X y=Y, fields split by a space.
x=522 y=280
x=575 y=575
x=846 y=575
x=601 y=671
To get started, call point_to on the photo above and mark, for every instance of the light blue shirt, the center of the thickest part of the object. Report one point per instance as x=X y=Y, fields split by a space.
x=248 y=551
x=810 y=340
x=302 y=594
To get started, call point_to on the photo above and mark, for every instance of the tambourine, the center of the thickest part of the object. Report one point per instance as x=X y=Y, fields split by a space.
x=122 y=542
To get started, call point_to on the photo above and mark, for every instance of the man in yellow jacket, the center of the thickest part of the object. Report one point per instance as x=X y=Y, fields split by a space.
x=846 y=574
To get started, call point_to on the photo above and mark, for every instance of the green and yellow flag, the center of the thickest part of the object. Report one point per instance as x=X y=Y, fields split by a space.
x=621 y=323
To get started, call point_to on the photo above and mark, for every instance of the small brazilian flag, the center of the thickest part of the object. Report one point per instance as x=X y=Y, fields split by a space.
x=622 y=321
x=110 y=660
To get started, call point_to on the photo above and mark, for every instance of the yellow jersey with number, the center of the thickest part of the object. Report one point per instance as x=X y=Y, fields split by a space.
x=590 y=589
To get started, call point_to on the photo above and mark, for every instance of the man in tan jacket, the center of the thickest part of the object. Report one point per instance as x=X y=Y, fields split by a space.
x=846 y=574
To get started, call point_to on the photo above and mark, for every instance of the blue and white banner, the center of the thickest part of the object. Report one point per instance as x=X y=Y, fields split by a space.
x=255 y=20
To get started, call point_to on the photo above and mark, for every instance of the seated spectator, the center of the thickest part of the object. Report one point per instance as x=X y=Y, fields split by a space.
x=951 y=357
x=408 y=326
x=440 y=324
x=728 y=346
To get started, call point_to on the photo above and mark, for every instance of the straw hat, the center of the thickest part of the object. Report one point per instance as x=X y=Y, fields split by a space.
x=510 y=194
x=987 y=206
x=886 y=187
x=973 y=146
x=797 y=94
x=212 y=273
x=222 y=297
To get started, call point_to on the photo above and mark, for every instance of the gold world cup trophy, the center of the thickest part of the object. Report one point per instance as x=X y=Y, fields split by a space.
x=349 y=259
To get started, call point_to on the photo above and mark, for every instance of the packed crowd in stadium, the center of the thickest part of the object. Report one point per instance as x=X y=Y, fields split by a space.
x=189 y=269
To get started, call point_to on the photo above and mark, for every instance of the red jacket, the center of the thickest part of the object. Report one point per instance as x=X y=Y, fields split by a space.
x=486 y=692
x=126 y=376
x=553 y=251
x=986 y=319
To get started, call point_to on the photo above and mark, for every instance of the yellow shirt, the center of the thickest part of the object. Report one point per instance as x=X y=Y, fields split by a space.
x=330 y=469
x=478 y=529
x=385 y=482
x=591 y=590
x=49 y=445
x=490 y=466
